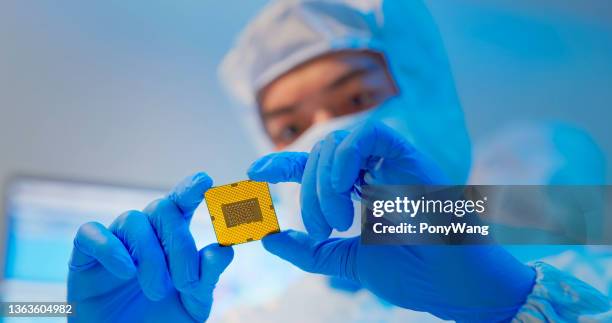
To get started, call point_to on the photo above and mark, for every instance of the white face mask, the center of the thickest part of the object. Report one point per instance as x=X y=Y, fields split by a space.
x=288 y=194
x=317 y=132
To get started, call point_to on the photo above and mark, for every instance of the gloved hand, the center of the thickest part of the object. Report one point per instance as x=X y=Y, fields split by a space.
x=462 y=283
x=145 y=266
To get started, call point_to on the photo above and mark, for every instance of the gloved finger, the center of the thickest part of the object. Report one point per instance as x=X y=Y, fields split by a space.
x=95 y=244
x=135 y=231
x=337 y=208
x=366 y=142
x=214 y=259
x=188 y=193
x=335 y=257
x=296 y=167
x=279 y=167
x=178 y=245
x=312 y=216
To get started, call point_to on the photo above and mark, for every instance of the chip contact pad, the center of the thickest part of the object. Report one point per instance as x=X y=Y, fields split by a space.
x=241 y=212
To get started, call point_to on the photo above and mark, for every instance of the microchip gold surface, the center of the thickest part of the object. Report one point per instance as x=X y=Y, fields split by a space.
x=241 y=212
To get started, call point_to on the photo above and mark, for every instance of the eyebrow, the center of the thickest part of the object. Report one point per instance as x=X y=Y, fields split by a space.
x=343 y=79
x=338 y=82
x=278 y=112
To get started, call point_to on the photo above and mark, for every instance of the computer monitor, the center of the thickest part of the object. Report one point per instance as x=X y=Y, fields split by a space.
x=43 y=216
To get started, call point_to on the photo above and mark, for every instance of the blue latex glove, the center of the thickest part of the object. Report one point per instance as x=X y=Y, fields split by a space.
x=462 y=283
x=145 y=266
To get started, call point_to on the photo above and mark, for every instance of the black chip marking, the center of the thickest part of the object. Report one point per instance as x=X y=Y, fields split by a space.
x=241 y=212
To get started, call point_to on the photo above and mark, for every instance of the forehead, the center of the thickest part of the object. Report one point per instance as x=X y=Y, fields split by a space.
x=313 y=76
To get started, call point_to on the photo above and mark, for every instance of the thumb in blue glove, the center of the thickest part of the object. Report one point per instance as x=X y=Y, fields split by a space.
x=462 y=283
x=145 y=266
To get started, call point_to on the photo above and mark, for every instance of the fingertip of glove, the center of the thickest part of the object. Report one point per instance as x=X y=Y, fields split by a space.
x=342 y=227
x=217 y=255
x=254 y=174
x=260 y=169
x=202 y=178
x=121 y=266
x=188 y=194
x=271 y=241
x=261 y=164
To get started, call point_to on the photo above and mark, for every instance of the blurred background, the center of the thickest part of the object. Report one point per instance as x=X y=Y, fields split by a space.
x=118 y=100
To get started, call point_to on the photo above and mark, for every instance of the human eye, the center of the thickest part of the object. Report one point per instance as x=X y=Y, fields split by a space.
x=363 y=99
x=288 y=134
x=360 y=100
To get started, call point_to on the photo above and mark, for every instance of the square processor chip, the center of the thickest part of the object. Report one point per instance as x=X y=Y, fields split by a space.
x=241 y=212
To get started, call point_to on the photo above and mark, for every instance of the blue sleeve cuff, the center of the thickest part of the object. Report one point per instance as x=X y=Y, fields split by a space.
x=560 y=297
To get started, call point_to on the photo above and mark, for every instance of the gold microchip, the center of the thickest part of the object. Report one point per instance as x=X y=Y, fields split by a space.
x=241 y=212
